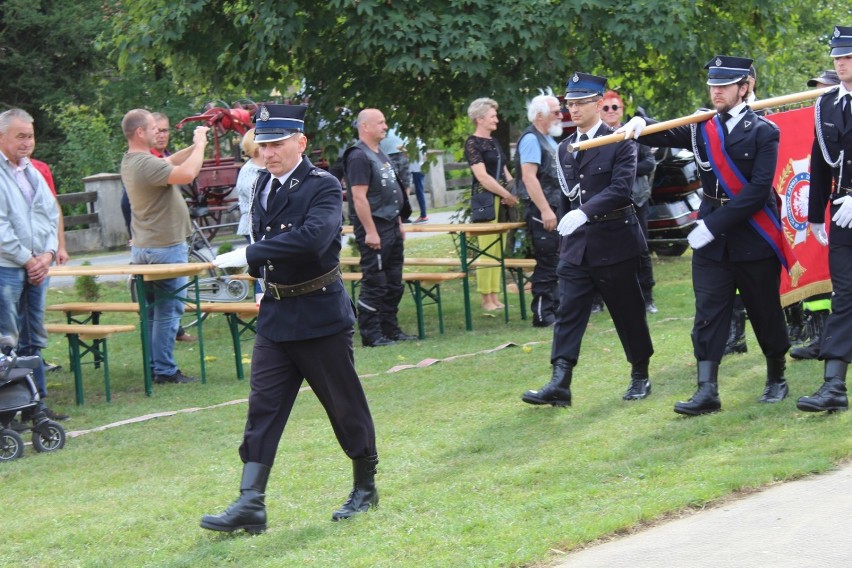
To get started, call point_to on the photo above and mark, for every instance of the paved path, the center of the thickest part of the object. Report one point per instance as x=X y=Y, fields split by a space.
x=800 y=524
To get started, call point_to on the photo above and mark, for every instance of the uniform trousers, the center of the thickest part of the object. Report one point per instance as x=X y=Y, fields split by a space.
x=618 y=285
x=646 y=266
x=837 y=338
x=545 y=246
x=328 y=365
x=715 y=283
x=381 y=281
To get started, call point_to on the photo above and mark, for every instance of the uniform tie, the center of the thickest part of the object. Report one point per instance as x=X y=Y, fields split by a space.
x=847 y=109
x=276 y=183
x=583 y=138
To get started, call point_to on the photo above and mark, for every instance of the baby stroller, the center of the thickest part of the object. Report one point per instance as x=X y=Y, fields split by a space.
x=18 y=393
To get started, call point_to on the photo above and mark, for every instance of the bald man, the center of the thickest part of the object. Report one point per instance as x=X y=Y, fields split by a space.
x=375 y=199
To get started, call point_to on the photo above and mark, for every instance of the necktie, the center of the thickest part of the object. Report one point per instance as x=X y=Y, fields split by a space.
x=725 y=117
x=276 y=184
x=583 y=138
x=847 y=109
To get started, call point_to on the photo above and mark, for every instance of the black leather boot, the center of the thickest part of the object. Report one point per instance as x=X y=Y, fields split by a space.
x=796 y=323
x=816 y=325
x=706 y=398
x=736 y=337
x=640 y=384
x=364 y=494
x=558 y=391
x=831 y=396
x=249 y=511
x=776 y=385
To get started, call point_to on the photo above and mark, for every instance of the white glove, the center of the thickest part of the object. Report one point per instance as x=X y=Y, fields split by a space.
x=572 y=221
x=233 y=259
x=818 y=231
x=843 y=217
x=633 y=128
x=700 y=236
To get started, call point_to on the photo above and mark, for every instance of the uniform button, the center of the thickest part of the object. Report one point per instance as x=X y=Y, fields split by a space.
x=582 y=176
x=290 y=225
x=268 y=229
x=746 y=154
x=584 y=191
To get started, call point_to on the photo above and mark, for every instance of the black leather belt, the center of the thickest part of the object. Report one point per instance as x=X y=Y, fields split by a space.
x=717 y=201
x=841 y=191
x=617 y=214
x=278 y=291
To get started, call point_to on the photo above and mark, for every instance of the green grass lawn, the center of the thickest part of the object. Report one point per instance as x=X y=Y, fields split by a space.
x=468 y=474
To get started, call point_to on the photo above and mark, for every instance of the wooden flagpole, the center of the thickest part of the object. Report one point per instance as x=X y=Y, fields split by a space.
x=697 y=117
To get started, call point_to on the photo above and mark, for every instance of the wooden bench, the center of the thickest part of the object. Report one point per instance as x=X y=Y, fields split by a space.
x=92 y=339
x=517 y=267
x=424 y=286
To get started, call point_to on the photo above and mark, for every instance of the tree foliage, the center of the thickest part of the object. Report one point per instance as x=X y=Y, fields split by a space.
x=421 y=61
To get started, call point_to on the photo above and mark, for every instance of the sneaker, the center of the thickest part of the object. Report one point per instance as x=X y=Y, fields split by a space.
x=186 y=337
x=55 y=416
x=421 y=219
x=650 y=307
x=178 y=378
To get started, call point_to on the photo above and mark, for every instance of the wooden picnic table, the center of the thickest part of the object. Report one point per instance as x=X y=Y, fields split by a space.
x=144 y=274
x=469 y=252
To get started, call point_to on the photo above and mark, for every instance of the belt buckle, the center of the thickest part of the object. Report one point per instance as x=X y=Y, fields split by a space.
x=274 y=289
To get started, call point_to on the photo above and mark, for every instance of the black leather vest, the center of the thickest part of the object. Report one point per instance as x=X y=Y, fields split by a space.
x=384 y=193
x=547 y=176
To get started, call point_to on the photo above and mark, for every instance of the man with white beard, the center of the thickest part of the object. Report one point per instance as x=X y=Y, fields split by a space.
x=538 y=187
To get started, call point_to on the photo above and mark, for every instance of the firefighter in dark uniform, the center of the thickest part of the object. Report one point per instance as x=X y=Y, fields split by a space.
x=831 y=182
x=729 y=253
x=375 y=199
x=599 y=250
x=305 y=325
x=538 y=187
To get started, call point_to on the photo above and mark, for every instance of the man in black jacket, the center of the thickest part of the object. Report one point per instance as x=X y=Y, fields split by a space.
x=831 y=181
x=738 y=240
x=599 y=250
x=306 y=320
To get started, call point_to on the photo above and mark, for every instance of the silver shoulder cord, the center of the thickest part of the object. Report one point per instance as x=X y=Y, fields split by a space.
x=703 y=165
x=821 y=140
x=572 y=193
x=262 y=281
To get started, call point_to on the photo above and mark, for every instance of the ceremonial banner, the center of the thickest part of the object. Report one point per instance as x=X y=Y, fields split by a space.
x=793 y=183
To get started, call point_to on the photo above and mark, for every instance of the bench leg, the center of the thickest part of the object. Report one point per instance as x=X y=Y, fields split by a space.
x=102 y=352
x=235 y=339
x=74 y=359
x=417 y=292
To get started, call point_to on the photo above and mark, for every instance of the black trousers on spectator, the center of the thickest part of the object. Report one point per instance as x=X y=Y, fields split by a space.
x=715 y=283
x=619 y=287
x=381 y=281
x=328 y=366
x=545 y=245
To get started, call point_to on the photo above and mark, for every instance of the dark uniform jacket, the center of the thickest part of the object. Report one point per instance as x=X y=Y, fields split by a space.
x=824 y=178
x=753 y=147
x=297 y=240
x=605 y=177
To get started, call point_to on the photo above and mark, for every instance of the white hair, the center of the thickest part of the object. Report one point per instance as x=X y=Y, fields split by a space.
x=12 y=114
x=540 y=105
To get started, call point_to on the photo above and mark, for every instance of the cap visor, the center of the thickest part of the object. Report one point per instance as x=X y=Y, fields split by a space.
x=258 y=138
x=841 y=51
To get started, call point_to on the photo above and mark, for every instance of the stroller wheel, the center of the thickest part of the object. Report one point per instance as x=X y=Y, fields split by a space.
x=11 y=445
x=48 y=436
